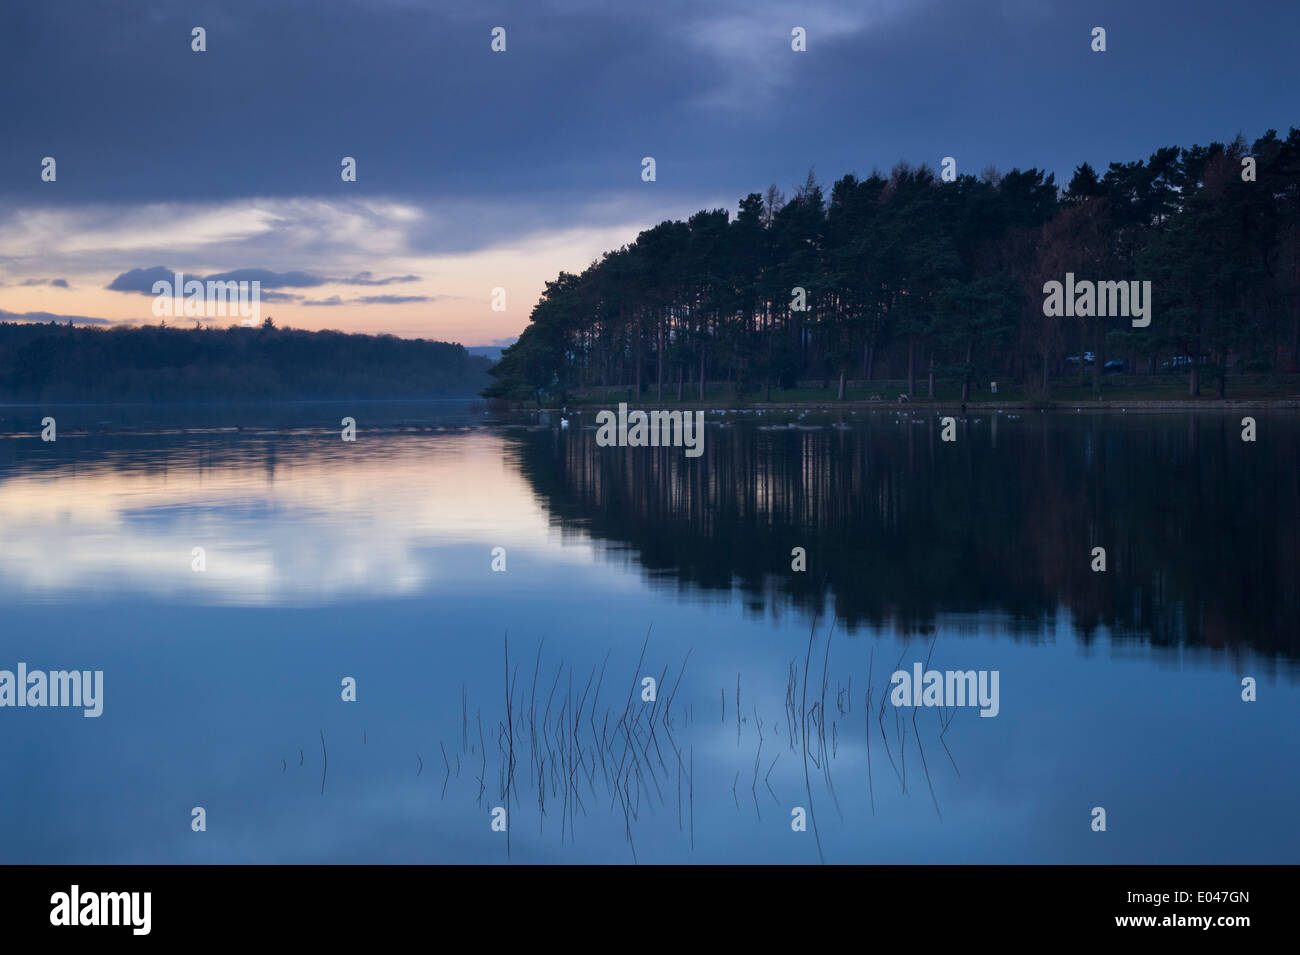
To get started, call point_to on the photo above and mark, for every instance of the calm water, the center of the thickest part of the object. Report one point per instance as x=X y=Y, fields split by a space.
x=373 y=560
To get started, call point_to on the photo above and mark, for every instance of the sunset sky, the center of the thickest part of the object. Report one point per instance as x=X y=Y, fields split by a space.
x=478 y=169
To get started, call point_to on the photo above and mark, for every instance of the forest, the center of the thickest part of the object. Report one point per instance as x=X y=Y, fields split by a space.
x=918 y=277
x=54 y=362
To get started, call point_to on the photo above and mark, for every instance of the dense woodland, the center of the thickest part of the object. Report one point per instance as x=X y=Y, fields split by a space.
x=51 y=362
x=909 y=277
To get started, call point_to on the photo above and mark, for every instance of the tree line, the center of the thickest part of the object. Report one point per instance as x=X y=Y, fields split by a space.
x=918 y=277
x=53 y=362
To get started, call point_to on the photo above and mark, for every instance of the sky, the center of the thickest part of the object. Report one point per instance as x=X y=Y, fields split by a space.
x=479 y=170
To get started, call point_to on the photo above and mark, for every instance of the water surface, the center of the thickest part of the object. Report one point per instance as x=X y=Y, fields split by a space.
x=374 y=560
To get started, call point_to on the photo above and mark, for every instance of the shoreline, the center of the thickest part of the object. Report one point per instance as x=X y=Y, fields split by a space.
x=1139 y=405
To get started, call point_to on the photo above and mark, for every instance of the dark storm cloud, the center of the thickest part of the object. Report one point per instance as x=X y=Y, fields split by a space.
x=551 y=131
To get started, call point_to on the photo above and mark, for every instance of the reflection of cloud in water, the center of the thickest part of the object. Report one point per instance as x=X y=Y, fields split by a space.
x=295 y=522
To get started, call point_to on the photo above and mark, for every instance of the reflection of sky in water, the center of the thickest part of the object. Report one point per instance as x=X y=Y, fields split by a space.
x=372 y=561
x=313 y=522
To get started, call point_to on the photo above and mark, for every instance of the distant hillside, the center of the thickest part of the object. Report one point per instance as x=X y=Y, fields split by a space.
x=490 y=352
x=52 y=362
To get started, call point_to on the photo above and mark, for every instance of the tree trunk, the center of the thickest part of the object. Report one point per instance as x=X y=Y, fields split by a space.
x=701 y=374
x=931 y=376
x=1096 y=359
x=638 y=358
x=965 y=381
x=659 y=355
x=824 y=355
x=911 y=368
x=840 y=395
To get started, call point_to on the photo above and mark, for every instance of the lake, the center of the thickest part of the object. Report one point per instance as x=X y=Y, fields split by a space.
x=498 y=591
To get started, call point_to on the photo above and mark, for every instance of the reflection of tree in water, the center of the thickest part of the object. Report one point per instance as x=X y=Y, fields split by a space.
x=1199 y=527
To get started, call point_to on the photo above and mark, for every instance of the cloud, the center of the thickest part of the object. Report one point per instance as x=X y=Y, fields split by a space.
x=57 y=283
x=299 y=244
x=142 y=280
x=391 y=299
x=366 y=278
x=749 y=42
x=270 y=279
x=373 y=300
